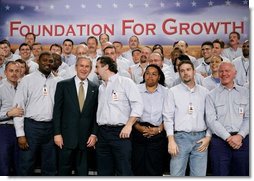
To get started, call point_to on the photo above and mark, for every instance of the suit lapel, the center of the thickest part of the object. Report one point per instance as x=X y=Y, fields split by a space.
x=89 y=96
x=73 y=93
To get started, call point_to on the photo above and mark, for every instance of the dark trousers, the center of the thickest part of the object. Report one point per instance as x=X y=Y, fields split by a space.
x=41 y=143
x=8 y=150
x=226 y=161
x=68 y=158
x=148 y=154
x=113 y=153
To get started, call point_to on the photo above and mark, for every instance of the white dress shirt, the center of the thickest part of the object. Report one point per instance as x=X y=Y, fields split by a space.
x=35 y=94
x=184 y=109
x=118 y=101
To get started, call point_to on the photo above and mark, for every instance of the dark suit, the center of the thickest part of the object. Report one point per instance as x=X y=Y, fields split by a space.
x=74 y=126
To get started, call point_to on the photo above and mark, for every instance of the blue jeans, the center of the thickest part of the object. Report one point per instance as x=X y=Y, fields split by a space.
x=187 y=144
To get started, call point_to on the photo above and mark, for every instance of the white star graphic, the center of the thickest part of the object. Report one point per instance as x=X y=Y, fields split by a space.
x=228 y=3
x=245 y=2
x=67 y=6
x=162 y=5
x=52 y=6
x=83 y=6
x=130 y=5
x=22 y=7
x=210 y=3
x=245 y=18
x=7 y=8
x=115 y=5
x=178 y=4
x=194 y=4
x=99 y=6
x=146 y=5
x=36 y=8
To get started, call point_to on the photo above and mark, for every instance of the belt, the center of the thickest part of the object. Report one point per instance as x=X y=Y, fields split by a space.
x=34 y=121
x=7 y=119
x=7 y=125
x=191 y=133
x=112 y=125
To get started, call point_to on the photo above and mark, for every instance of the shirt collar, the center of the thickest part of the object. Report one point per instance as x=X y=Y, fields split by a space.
x=144 y=90
x=8 y=84
x=77 y=80
x=111 y=79
x=51 y=75
x=189 y=89
x=233 y=50
x=222 y=87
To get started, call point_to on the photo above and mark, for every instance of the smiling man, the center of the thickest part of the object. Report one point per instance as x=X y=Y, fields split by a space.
x=227 y=112
x=74 y=119
x=35 y=94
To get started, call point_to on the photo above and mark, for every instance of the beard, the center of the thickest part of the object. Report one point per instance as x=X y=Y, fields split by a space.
x=186 y=79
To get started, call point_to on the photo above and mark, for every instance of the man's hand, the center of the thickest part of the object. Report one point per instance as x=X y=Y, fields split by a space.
x=58 y=139
x=23 y=144
x=172 y=146
x=126 y=131
x=15 y=112
x=235 y=141
x=204 y=143
x=91 y=141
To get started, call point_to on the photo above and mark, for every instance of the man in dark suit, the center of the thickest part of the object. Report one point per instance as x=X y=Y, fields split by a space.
x=74 y=119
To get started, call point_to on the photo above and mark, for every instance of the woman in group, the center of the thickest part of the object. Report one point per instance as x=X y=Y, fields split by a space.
x=213 y=80
x=149 y=138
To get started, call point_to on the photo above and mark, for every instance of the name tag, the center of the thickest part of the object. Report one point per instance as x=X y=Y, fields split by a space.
x=190 y=108
x=114 y=96
x=45 y=91
x=241 y=111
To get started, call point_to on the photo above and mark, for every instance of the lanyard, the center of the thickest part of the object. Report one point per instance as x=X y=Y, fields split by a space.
x=205 y=66
x=246 y=70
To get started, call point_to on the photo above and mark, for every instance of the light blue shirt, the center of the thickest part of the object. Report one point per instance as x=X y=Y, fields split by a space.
x=11 y=57
x=7 y=93
x=177 y=113
x=228 y=111
x=128 y=55
x=137 y=73
x=204 y=68
x=242 y=65
x=169 y=74
x=231 y=54
x=69 y=59
x=153 y=104
x=35 y=94
x=33 y=66
x=118 y=101
x=210 y=82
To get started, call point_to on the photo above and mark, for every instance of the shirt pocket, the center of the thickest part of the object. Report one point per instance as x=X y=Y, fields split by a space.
x=220 y=109
x=240 y=107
